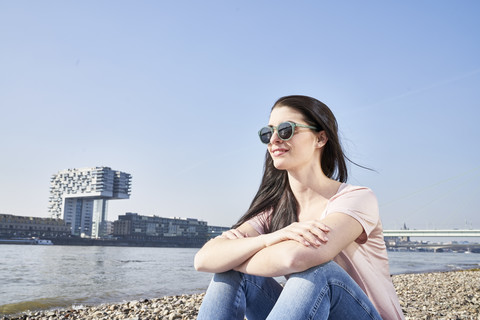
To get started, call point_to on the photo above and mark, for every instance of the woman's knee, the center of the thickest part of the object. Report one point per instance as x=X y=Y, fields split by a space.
x=326 y=271
x=228 y=276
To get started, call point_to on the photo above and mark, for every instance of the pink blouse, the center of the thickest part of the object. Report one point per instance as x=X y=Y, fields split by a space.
x=365 y=260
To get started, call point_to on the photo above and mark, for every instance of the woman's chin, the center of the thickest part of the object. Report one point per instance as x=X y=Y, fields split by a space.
x=280 y=165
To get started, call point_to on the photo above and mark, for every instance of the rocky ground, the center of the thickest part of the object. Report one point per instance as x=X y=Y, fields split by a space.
x=443 y=295
x=430 y=296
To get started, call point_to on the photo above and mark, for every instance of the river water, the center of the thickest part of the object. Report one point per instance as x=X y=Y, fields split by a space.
x=43 y=277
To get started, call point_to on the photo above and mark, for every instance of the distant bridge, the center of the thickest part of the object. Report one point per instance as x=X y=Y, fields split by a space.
x=431 y=233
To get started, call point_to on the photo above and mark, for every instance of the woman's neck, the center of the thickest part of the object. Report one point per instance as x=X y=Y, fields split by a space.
x=312 y=187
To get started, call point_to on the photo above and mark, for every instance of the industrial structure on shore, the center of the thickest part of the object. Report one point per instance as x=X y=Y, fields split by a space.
x=130 y=229
x=78 y=206
x=80 y=197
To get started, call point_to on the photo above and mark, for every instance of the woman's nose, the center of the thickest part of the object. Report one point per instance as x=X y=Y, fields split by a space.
x=275 y=138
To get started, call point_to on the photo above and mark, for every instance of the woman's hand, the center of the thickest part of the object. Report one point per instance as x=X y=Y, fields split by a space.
x=233 y=234
x=308 y=233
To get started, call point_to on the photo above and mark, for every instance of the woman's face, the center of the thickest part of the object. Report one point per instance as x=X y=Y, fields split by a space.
x=303 y=149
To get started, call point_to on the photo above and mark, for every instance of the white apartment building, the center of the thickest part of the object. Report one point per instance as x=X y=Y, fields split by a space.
x=80 y=196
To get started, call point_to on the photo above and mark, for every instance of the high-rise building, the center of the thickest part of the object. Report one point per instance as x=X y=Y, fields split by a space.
x=81 y=195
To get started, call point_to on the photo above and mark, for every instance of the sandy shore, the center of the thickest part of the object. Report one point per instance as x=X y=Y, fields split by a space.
x=433 y=296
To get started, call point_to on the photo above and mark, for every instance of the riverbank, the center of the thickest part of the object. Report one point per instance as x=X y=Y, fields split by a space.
x=440 y=295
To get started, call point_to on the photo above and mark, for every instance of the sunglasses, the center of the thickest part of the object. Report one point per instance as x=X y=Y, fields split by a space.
x=285 y=131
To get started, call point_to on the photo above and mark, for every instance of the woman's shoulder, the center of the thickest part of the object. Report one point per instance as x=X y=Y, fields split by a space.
x=348 y=190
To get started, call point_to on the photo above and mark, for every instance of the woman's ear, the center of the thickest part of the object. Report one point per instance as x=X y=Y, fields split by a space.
x=321 y=139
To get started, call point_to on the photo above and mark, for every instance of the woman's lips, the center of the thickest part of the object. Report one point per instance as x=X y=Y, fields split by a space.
x=279 y=151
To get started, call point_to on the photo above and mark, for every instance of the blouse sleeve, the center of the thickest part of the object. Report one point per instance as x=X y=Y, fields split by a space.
x=359 y=203
x=261 y=221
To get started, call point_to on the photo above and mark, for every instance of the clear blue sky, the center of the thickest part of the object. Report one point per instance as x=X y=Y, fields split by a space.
x=174 y=92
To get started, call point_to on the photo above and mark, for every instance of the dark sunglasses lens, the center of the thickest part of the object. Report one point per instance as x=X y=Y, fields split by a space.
x=265 y=135
x=285 y=131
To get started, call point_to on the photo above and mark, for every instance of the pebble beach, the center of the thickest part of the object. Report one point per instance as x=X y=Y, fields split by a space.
x=432 y=296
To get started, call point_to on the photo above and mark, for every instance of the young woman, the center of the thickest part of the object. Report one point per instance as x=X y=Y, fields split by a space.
x=304 y=223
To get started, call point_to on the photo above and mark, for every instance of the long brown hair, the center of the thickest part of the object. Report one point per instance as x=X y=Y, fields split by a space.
x=274 y=192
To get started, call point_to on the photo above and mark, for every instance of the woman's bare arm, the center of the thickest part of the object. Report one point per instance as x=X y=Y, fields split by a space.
x=229 y=250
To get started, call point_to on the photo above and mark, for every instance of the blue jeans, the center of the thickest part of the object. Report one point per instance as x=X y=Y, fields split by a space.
x=322 y=292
